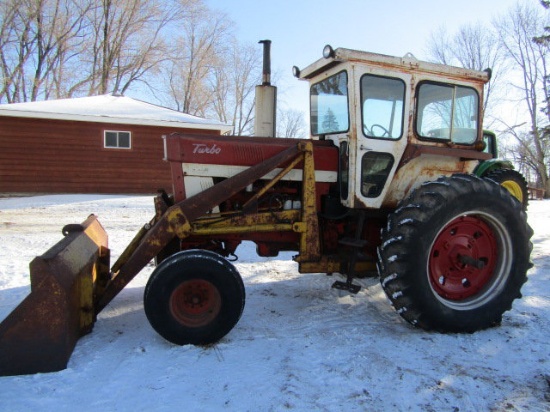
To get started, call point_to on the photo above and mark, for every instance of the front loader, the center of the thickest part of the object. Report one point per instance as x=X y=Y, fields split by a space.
x=385 y=187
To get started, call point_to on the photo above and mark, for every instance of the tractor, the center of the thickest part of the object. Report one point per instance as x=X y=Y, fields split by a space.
x=502 y=171
x=384 y=187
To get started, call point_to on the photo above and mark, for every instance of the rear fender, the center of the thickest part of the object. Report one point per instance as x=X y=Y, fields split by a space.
x=492 y=164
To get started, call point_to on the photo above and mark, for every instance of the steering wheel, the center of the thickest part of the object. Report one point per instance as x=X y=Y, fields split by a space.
x=385 y=132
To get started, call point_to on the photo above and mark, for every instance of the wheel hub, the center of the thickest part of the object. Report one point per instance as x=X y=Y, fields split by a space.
x=514 y=189
x=462 y=259
x=195 y=302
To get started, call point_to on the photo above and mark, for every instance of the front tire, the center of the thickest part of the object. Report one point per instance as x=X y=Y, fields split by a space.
x=194 y=297
x=455 y=254
x=513 y=181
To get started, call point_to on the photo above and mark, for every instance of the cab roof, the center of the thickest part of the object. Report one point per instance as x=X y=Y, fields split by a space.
x=407 y=64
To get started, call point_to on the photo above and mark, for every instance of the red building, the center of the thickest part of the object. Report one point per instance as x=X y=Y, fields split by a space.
x=100 y=144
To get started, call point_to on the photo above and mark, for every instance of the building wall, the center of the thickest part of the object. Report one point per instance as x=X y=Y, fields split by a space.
x=56 y=156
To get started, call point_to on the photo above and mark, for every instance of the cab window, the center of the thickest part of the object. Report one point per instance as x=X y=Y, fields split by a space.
x=329 y=105
x=447 y=112
x=382 y=106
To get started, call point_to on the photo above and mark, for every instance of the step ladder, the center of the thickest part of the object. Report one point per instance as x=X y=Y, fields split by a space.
x=356 y=244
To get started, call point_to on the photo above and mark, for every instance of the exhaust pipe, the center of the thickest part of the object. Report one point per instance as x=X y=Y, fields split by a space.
x=266 y=72
x=266 y=98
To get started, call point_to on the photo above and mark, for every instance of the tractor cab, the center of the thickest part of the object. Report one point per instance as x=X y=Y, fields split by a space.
x=397 y=122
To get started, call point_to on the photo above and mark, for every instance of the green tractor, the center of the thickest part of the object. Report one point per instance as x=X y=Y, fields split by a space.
x=502 y=171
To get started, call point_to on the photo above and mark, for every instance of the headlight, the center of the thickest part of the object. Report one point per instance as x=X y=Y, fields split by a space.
x=328 y=52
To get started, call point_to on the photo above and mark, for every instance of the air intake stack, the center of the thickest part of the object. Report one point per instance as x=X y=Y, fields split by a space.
x=266 y=98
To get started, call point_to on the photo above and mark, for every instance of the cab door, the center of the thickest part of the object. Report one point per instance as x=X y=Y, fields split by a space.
x=382 y=117
x=332 y=119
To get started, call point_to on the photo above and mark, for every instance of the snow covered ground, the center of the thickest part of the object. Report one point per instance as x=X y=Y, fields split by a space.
x=299 y=345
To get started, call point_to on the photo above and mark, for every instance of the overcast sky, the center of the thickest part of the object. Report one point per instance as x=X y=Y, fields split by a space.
x=299 y=29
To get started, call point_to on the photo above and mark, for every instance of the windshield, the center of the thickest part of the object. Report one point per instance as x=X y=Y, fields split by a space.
x=329 y=105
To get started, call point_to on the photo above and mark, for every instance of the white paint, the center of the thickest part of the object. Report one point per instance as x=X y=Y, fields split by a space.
x=197 y=169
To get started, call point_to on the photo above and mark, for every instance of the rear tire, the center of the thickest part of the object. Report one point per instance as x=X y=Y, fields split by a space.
x=455 y=254
x=513 y=181
x=194 y=297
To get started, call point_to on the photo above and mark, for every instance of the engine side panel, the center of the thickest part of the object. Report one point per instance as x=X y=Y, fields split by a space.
x=225 y=156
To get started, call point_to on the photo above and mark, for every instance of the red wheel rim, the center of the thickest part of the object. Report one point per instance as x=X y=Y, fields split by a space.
x=463 y=258
x=195 y=303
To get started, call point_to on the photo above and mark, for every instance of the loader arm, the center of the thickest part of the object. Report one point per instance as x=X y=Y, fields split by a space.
x=177 y=220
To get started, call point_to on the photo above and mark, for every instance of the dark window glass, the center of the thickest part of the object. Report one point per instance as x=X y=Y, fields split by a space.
x=124 y=139
x=344 y=170
x=375 y=168
x=117 y=140
x=110 y=139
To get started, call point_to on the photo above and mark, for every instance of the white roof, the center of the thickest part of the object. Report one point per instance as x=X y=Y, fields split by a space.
x=407 y=63
x=110 y=109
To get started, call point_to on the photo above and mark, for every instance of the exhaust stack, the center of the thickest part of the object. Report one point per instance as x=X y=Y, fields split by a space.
x=266 y=98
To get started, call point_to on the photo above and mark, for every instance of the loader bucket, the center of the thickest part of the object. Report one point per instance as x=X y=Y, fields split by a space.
x=41 y=333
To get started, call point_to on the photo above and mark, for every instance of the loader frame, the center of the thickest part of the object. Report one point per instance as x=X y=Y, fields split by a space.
x=188 y=217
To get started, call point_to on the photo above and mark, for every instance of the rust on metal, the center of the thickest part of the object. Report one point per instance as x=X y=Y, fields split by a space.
x=41 y=333
x=246 y=223
x=310 y=248
x=427 y=167
x=413 y=151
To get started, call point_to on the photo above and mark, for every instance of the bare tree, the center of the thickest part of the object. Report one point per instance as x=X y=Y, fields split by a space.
x=10 y=47
x=245 y=76
x=543 y=41
x=209 y=73
x=474 y=47
x=197 y=50
x=233 y=84
x=126 y=43
x=221 y=90
x=59 y=26
x=291 y=123
x=517 y=30
x=34 y=38
x=63 y=48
